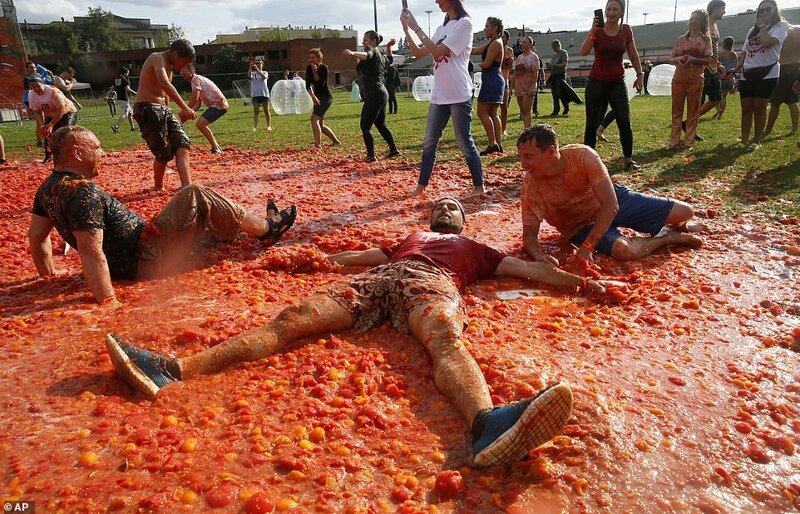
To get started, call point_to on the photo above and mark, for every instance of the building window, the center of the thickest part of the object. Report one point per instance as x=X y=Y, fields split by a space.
x=284 y=54
x=201 y=59
x=273 y=55
x=337 y=78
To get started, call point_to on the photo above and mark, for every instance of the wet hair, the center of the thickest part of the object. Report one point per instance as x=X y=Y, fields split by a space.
x=30 y=63
x=63 y=139
x=620 y=2
x=727 y=43
x=714 y=4
x=555 y=42
x=542 y=134
x=497 y=23
x=317 y=52
x=703 y=20
x=462 y=11
x=184 y=49
x=374 y=36
x=190 y=67
x=69 y=69
x=460 y=208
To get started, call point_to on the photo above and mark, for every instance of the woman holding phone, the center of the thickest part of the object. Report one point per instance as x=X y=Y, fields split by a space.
x=610 y=40
x=371 y=69
x=450 y=48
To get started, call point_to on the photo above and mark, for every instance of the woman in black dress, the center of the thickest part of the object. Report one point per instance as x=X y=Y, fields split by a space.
x=371 y=68
x=317 y=87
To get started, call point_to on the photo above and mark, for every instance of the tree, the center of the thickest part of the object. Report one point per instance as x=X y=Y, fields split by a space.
x=57 y=38
x=316 y=34
x=97 y=32
x=176 y=32
x=275 y=34
x=227 y=60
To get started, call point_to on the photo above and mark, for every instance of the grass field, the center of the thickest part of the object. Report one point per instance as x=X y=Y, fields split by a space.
x=718 y=171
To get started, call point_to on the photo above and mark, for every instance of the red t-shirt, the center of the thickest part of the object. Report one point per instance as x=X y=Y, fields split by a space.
x=608 y=53
x=465 y=260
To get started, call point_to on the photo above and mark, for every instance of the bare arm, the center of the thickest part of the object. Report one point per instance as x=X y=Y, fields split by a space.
x=477 y=50
x=530 y=239
x=371 y=257
x=194 y=101
x=94 y=263
x=633 y=55
x=495 y=51
x=41 y=248
x=409 y=22
x=588 y=43
x=361 y=56
x=166 y=84
x=605 y=195
x=767 y=41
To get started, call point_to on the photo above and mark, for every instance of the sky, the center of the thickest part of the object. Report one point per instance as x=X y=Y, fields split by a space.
x=204 y=19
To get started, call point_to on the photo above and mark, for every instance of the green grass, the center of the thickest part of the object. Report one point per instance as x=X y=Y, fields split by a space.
x=718 y=173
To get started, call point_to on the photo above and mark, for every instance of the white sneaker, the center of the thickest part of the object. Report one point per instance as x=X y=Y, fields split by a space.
x=255 y=129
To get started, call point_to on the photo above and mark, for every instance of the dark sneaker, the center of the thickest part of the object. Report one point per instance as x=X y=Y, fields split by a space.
x=370 y=158
x=216 y=151
x=114 y=129
x=47 y=157
x=393 y=153
x=504 y=435
x=145 y=371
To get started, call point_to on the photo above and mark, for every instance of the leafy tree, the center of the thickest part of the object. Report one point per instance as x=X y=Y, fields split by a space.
x=57 y=38
x=97 y=32
x=176 y=32
x=316 y=34
x=227 y=60
x=332 y=33
x=275 y=34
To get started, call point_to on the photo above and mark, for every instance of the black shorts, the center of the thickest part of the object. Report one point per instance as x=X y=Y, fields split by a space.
x=757 y=88
x=161 y=130
x=66 y=120
x=324 y=104
x=712 y=87
x=783 y=92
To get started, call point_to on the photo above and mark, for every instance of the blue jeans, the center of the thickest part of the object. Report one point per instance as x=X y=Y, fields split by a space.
x=438 y=115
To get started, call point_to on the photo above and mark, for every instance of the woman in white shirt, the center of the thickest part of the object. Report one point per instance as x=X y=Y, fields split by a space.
x=761 y=68
x=259 y=92
x=450 y=48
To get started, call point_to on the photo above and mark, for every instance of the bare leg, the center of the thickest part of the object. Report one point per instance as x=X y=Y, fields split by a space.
x=268 y=117
x=488 y=126
x=328 y=132
x=202 y=126
x=710 y=104
x=130 y=120
x=2 y=149
x=315 y=315
x=183 y=165
x=794 y=112
x=158 y=175
x=774 y=111
x=255 y=117
x=759 y=119
x=632 y=248
x=316 y=129
x=747 y=119
x=504 y=109
x=455 y=372
x=498 y=127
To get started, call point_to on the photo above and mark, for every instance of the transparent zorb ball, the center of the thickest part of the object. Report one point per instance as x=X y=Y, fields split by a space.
x=422 y=88
x=290 y=97
x=659 y=83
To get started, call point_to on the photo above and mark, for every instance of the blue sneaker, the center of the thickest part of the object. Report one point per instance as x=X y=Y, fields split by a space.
x=504 y=435
x=147 y=372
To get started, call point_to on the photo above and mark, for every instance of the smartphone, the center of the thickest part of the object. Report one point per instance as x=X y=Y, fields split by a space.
x=598 y=13
x=405 y=5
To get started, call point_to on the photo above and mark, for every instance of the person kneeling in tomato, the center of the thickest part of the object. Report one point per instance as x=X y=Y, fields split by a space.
x=569 y=187
x=113 y=241
x=416 y=285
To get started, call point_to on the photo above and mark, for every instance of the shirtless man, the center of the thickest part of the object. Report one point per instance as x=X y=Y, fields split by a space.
x=790 y=74
x=416 y=285
x=163 y=133
x=65 y=82
x=569 y=187
x=51 y=109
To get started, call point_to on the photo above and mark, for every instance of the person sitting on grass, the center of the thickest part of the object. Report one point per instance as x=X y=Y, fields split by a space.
x=205 y=91
x=113 y=241
x=569 y=187
x=416 y=285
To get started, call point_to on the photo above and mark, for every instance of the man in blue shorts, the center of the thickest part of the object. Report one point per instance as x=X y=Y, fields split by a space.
x=569 y=187
x=205 y=91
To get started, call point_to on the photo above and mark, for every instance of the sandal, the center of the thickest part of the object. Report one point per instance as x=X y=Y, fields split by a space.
x=278 y=228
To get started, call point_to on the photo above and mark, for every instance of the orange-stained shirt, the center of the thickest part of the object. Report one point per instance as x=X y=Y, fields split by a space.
x=568 y=204
x=699 y=47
